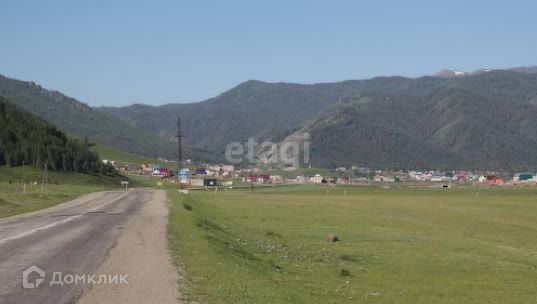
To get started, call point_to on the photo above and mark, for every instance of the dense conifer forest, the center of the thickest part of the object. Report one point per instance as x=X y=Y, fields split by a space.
x=27 y=139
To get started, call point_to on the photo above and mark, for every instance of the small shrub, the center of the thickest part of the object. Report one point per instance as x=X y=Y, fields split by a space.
x=346 y=257
x=187 y=206
x=208 y=225
x=275 y=266
x=344 y=273
x=270 y=233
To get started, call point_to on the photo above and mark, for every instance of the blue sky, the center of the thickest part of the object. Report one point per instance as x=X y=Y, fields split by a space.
x=156 y=52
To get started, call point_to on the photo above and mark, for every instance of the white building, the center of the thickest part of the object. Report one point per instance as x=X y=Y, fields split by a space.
x=316 y=179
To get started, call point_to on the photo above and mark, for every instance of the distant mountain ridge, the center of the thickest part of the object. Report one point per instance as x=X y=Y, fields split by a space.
x=253 y=109
x=446 y=73
x=426 y=122
x=457 y=134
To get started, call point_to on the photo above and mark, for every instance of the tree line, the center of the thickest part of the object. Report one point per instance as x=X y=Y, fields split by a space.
x=27 y=139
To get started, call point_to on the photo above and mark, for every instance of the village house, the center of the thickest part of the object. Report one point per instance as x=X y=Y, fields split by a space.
x=492 y=180
x=227 y=168
x=316 y=179
x=524 y=178
x=146 y=169
x=259 y=179
x=201 y=171
x=276 y=179
x=161 y=172
x=343 y=181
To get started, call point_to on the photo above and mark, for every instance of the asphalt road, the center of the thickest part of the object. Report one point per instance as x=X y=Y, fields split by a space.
x=71 y=239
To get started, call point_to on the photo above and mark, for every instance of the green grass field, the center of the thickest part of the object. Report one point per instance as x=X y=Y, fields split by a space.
x=397 y=245
x=63 y=187
x=110 y=153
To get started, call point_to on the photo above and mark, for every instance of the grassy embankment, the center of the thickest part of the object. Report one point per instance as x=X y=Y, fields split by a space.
x=397 y=245
x=63 y=187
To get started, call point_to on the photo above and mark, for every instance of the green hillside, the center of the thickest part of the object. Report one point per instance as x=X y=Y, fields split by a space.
x=28 y=145
x=481 y=121
x=73 y=116
x=26 y=139
x=253 y=109
x=484 y=122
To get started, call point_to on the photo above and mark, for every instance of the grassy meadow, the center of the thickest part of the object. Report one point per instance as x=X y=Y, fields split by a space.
x=62 y=187
x=110 y=153
x=459 y=245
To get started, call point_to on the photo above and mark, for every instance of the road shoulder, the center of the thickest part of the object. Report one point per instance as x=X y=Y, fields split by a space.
x=141 y=253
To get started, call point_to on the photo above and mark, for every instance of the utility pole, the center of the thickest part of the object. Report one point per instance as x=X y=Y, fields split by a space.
x=179 y=148
x=23 y=179
x=44 y=182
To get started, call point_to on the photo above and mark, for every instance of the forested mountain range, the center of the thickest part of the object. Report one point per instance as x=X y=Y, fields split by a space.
x=255 y=109
x=26 y=138
x=483 y=120
x=73 y=116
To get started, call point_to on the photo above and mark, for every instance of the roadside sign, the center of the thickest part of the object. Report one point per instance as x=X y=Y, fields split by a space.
x=126 y=184
x=183 y=176
x=183 y=173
